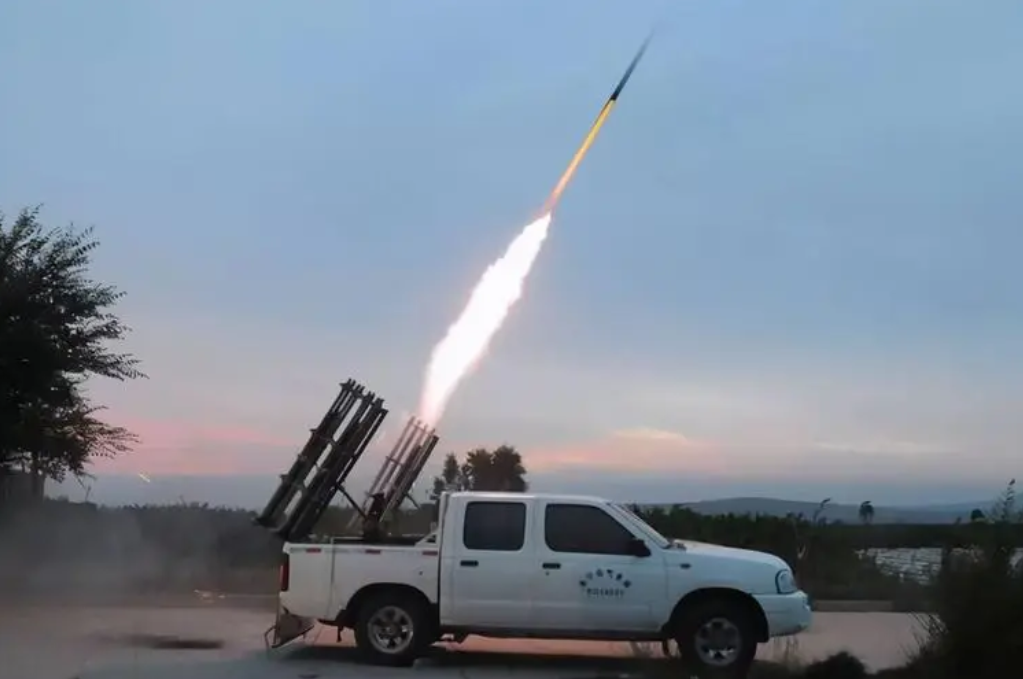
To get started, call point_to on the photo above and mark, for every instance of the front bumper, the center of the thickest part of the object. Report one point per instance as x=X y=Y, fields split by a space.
x=786 y=613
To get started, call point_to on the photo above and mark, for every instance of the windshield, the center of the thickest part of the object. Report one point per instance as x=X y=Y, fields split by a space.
x=641 y=525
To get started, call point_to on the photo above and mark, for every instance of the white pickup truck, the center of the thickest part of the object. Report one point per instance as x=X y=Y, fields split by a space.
x=522 y=565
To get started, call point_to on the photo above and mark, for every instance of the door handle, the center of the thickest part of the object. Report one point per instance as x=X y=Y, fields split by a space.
x=469 y=564
x=550 y=565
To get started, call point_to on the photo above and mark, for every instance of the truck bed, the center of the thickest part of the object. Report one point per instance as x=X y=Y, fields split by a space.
x=322 y=578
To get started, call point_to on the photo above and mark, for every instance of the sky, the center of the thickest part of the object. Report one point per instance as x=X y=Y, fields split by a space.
x=788 y=267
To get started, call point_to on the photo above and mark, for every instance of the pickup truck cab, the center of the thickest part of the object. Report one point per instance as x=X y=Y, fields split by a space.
x=520 y=565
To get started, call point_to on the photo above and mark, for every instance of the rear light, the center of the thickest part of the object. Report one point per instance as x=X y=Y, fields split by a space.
x=285 y=572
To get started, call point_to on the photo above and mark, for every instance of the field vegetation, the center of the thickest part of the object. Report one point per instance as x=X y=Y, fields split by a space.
x=50 y=545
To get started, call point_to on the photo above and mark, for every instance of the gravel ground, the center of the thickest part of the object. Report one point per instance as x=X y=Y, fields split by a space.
x=51 y=642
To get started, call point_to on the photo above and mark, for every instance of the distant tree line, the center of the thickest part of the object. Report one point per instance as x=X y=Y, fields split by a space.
x=750 y=530
x=826 y=555
x=190 y=546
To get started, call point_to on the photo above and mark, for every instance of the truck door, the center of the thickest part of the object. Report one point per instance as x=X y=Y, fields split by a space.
x=487 y=566
x=589 y=580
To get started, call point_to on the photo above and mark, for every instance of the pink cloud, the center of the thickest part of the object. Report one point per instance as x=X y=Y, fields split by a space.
x=188 y=448
x=634 y=449
x=163 y=433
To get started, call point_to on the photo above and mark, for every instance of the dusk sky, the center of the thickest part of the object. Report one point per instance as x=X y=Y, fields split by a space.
x=789 y=267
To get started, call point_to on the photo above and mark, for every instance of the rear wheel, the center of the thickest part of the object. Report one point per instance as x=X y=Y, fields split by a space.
x=717 y=638
x=391 y=629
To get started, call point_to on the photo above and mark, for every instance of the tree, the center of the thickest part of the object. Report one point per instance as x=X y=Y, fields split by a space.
x=509 y=474
x=866 y=512
x=450 y=478
x=977 y=516
x=498 y=470
x=56 y=327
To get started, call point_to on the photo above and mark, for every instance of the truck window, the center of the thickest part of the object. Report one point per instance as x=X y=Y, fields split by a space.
x=494 y=526
x=584 y=529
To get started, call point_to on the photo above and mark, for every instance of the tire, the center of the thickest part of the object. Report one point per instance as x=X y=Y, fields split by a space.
x=391 y=629
x=716 y=639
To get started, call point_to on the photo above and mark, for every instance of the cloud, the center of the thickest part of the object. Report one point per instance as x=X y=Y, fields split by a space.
x=632 y=449
x=162 y=433
x=178 y=447
x=650 y=434
x=772 y=459
x=881 y=447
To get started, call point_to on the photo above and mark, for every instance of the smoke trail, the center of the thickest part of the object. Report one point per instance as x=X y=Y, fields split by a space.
x=466 y=340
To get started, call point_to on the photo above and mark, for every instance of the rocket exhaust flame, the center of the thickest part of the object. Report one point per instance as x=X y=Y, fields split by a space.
x=566 y=177
x=466 y=341
x=501 y=285
x=591 y=135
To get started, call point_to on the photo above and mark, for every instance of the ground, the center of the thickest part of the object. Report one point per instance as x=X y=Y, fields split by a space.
x=117 y=642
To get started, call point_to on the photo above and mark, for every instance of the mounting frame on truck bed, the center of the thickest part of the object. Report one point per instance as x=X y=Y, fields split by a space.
x=401 y=468
x=325 y=462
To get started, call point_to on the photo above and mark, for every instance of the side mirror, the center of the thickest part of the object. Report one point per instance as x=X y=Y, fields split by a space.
x=638 y=548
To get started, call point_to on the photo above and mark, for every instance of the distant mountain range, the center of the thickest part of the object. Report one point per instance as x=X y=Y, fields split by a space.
x=836 y=512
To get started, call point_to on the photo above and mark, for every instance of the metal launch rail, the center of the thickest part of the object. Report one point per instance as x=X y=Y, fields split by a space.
x=325 y=462
x=401 y=468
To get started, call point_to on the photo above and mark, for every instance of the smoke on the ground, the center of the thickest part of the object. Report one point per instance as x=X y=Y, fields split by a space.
x=63 y=550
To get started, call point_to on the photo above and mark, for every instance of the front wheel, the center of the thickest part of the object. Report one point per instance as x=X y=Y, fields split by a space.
x=391 y=629
x=717 y=639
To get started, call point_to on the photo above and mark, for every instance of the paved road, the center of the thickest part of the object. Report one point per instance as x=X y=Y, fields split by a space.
x=92 y=643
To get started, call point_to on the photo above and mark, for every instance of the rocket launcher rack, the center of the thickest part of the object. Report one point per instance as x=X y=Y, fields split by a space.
x=400 y=469
x=324 y=463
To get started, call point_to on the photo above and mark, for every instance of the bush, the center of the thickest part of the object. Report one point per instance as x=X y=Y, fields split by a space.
x=842 y=665
x=976 y=629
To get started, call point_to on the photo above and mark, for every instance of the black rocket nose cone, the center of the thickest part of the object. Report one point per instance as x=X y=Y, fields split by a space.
x=631 y=68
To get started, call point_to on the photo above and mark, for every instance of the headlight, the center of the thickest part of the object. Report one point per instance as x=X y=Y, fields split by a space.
x=785 y=582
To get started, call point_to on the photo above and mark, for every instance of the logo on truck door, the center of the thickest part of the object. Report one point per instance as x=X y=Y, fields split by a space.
x=605 y=583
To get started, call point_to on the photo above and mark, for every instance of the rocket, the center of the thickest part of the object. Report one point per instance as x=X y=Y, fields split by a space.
x=591 y=135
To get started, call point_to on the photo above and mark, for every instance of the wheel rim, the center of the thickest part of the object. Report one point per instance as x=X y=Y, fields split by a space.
x=717 y=642
x=391 y=630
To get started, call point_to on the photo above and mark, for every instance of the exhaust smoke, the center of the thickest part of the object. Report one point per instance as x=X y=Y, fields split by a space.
x=466 y=341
